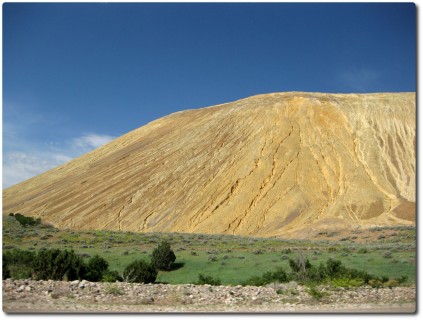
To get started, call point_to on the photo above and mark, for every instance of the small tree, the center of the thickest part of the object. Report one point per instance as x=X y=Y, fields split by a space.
x=163 y=257
x=301 y=264
x=140 y=271
x=111 y=276
x=5 y=270
x=27 y=221
x=96 y=267
x=204 y=279
x=334 y=268
x=17 y=264
x=56 y=264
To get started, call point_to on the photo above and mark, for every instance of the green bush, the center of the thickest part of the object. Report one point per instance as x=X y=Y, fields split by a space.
x=111 y=276
x=391 y=283
x=96 y=266
x=375 y=283
x=347 y=283
x=357 y=274
x=334 y=268
x=163 y=257
x=277 y=276
x=56 y=264
x=302 y=271
x=114 y=290
x=268 y=277
x=140 y=271
x=26 y=221
x=402 y=279
x=387 y=255
x=17 y=264
x=300 y=264
x=5 y=270
x=254 y=281
x=315 y=293
x=203 y=279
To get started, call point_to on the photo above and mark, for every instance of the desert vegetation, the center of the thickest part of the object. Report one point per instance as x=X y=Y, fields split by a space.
x=206 y=259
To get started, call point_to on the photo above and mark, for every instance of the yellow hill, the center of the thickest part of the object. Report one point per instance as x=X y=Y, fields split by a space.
x=269 y=165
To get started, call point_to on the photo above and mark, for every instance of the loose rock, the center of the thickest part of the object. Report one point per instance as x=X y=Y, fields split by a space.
x=61 y=296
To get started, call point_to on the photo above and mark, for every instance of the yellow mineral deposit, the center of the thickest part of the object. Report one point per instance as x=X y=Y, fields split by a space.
x=278 y=164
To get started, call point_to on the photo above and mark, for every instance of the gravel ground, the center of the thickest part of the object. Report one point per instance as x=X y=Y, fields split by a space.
x=27 y=296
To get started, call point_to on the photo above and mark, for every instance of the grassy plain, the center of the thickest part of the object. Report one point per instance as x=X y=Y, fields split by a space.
x=233 y=259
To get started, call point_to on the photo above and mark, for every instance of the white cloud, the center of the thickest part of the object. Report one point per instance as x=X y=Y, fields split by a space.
x=91 y=141
x=26 y=151
x=19 y=166
x=28 y=160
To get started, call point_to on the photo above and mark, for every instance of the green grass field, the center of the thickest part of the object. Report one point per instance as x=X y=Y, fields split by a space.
x=233 y=259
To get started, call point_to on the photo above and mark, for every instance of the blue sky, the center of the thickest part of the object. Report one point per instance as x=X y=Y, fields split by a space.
x=76 y=76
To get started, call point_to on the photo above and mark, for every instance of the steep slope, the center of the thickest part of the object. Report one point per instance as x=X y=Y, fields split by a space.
x=268 y=165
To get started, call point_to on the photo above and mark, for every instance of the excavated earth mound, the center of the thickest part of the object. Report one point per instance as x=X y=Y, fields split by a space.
x=278 y=164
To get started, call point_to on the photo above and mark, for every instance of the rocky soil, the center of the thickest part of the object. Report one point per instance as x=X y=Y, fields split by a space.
x=82 y=296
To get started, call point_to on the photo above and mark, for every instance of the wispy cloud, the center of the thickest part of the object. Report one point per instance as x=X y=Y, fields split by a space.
x=25 y=155
x=360 y=79
x=24 y=163
x=91 y=141
x=19 y=166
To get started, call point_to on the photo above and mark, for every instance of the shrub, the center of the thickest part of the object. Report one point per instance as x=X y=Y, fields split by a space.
x=163 y=257
x=203 y=279
x=114 y=290
x=5 y=270
x=55 y=264
x=375 y=283
x=140 y=271
x=111 y=276
x=357 y=274
x=254 y=281
x=387 y=255
x=26 y=221
x=347 y=283
x=96 y=266
x=402 y=279
x=333 y=268
x=314 y=274
x=315 y=293
x=304 y=272
x=300 y=264
x=391 y=283
x=268 y=277
x=17 y=264
x=277 y=276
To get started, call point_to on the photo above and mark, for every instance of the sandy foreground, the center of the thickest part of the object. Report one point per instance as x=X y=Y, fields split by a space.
x=26 y=296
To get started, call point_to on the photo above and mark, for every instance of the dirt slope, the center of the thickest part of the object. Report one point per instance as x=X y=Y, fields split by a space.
x=268 y=165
